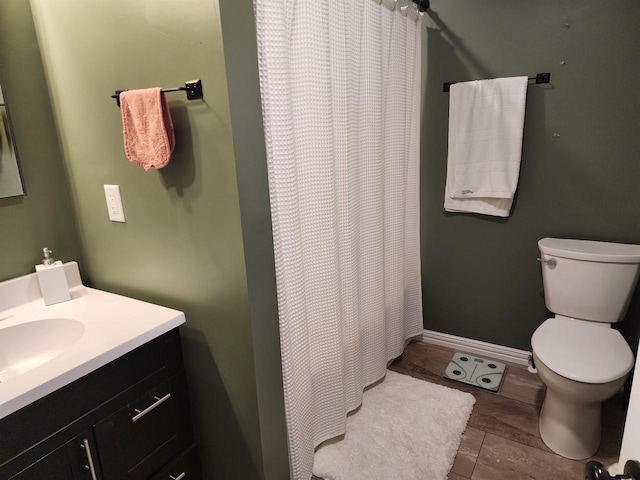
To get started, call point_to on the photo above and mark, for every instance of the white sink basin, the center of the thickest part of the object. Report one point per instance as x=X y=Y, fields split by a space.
x=28 y=345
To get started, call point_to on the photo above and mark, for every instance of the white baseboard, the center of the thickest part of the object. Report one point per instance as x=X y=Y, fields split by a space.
x=476 y=347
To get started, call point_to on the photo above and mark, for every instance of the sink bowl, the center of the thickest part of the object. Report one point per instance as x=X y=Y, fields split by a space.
x=28 y=345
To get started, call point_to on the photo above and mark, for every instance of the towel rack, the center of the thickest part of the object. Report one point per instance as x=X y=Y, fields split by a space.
x=539 y=78
x=192 y=87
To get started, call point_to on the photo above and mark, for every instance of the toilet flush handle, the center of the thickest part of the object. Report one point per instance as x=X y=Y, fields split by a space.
x=552 y=262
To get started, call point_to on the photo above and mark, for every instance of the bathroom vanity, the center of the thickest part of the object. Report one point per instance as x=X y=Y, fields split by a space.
x=112 y=403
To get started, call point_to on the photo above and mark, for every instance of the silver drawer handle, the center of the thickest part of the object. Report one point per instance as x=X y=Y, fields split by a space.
x=552 y=262
x=179 y=477
x=90 y=467
x=158 y=401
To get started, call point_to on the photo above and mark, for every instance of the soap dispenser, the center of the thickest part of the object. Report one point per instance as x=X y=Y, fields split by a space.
x=52 y=279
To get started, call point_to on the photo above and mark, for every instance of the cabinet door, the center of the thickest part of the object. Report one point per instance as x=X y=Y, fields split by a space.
x=76 y=460
x=137 y=440
x=82 y=451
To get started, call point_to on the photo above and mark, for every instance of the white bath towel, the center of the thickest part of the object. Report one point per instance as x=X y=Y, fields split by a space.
x=486 y=122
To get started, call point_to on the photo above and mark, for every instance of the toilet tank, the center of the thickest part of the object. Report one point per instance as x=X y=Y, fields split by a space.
x=589 y=280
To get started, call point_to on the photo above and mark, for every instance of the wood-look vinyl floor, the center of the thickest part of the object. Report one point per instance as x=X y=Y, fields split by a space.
x=502 y=439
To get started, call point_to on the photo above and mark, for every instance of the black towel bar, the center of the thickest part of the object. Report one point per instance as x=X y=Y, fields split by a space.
x=539 y=78
x=192 y=87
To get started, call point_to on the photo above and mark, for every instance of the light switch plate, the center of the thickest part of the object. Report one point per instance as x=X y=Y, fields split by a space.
x=114 y=203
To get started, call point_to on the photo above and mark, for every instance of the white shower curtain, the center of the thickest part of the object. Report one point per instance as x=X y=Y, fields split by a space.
x=340 y=84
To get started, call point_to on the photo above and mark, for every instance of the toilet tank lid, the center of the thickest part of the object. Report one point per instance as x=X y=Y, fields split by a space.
x=590 y=250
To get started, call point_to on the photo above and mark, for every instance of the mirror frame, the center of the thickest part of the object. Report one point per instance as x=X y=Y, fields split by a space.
x=17 y=184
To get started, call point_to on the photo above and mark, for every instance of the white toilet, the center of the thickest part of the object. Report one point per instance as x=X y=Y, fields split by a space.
x=581 y=360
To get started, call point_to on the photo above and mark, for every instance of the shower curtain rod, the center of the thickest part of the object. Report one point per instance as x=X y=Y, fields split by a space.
x=423 y=5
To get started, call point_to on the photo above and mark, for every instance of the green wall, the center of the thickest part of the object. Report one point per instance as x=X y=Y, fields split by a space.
x=182 y=244
x=238 y=29
x=44 y=217
x=197 y=236
x=480 y=275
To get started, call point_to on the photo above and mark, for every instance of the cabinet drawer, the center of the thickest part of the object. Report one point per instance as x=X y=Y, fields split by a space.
x=185 y=467
x=138 y=439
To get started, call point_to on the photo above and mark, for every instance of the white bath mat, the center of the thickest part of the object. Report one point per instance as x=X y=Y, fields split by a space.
x=406 y=429
x=475 y=371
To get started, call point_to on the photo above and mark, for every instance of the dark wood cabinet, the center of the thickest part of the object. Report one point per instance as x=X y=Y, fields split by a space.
x=128 y=420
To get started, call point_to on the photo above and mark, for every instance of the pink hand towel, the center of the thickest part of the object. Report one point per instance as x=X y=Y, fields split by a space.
x=147 y=127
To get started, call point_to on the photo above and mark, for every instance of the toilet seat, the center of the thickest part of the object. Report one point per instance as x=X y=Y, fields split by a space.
x=581 y=351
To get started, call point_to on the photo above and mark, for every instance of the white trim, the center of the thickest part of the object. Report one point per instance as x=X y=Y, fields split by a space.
x=468 y=345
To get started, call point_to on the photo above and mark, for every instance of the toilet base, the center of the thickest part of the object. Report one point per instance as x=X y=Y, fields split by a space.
x=570 y=417
x=570 y=429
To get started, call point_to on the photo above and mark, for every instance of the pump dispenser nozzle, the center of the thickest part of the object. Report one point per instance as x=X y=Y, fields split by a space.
x=46 y=260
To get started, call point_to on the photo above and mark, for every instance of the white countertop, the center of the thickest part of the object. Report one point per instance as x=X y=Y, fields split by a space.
x=113 y=325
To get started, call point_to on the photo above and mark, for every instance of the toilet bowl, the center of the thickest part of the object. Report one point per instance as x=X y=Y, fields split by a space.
x=590 y=364
x=580 y=359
